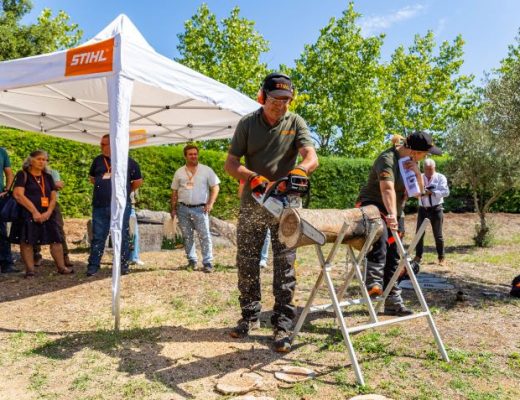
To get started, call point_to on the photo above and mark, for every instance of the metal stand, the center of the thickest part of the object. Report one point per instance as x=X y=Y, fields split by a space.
x=358 y=271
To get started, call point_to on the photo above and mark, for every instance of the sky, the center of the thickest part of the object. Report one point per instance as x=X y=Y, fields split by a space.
x=487 y=27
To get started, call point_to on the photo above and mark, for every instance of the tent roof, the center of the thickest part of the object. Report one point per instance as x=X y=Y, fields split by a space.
x=170 y=103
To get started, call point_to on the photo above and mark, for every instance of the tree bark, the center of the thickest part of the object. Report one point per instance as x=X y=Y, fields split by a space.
x=329 y=222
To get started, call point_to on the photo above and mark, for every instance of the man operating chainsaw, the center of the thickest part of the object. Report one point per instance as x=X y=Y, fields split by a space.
x=270 y=140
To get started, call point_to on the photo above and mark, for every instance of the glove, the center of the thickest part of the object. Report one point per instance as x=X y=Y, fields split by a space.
x=298 y=171
x=258 y=183
x=299 y=179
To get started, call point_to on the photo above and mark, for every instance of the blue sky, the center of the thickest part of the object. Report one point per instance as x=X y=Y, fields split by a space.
x=486 y=26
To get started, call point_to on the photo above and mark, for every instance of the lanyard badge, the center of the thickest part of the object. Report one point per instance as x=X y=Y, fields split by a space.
x=108 y=173
x=44 y=199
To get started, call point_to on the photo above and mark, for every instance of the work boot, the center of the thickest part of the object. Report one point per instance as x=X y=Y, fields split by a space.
x=243 y=328
x=282 y=341
x=375 y=290
x=398 y=310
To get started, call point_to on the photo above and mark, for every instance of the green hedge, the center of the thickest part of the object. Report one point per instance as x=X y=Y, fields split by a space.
x=334 y=185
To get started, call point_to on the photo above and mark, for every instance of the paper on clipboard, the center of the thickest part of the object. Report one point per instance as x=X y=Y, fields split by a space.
x=409 y=178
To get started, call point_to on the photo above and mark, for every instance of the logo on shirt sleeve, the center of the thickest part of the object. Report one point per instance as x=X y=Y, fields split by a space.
x=385 y=174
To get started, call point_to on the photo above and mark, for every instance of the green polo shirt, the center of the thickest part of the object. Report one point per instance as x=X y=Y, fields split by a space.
x=270 y=151
x=385 y=168
x=5 y=162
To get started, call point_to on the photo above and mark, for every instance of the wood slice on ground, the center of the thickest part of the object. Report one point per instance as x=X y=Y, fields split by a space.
x=239 y=383
x=370 y=397
x=330 y=222
x=292 y=374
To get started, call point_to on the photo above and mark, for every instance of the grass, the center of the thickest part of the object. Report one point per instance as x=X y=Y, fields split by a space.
x=174 y=343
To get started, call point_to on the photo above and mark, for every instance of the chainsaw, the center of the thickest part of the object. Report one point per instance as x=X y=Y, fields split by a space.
x=288 y=192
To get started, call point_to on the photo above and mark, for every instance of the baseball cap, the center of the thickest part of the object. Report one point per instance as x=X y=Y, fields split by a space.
x=422 y=141
x=277 y=84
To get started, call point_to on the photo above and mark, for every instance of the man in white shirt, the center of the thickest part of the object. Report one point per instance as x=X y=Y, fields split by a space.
x=430 y=206
x=195 y=188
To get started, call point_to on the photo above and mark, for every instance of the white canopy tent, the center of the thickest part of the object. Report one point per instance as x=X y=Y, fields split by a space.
x=116 y=83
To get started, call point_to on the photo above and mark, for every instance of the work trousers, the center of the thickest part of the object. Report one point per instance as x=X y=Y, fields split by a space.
x=253 y=223
x=436 y=217
x=382 y=262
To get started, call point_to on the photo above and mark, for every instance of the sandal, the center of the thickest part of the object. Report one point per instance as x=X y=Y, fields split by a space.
x=29 y=275
x=65 y=271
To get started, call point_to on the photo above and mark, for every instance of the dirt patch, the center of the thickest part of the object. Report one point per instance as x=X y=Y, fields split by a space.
x=56 y=338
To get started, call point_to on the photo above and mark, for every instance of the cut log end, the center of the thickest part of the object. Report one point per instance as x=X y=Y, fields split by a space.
x=329 y=222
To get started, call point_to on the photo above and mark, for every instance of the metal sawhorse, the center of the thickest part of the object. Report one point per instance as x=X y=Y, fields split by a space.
x=358 y=271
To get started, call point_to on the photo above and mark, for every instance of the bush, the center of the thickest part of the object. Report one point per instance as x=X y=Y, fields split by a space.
x=335 y=184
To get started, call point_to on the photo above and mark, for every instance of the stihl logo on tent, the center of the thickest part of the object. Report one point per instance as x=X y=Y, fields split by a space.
x=91 y=59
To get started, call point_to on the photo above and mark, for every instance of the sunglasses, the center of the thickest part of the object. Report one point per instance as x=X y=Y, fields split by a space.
x=279 y=102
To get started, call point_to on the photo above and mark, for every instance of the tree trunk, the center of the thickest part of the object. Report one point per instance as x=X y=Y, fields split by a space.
x=330 y=223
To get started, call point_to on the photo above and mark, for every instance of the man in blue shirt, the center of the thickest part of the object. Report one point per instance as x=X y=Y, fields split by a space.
x=6 y=258
x=101 y=177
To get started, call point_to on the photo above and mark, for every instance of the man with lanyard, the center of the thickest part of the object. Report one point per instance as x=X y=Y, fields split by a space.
x=270 y=140
x=430 y=206
x=6 y=258
x=101 y=176
x=386 y=190
x=195 y=189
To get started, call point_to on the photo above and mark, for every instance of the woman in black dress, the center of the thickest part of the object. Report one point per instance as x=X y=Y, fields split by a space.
x=35 y=191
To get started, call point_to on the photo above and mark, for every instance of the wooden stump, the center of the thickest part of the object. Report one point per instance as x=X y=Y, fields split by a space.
x=329 y=222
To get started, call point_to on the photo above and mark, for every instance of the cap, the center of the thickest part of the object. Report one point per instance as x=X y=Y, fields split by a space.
x=278 y=85
x=422 y=141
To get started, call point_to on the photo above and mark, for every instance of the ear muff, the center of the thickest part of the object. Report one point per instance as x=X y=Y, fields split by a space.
x=260 y=96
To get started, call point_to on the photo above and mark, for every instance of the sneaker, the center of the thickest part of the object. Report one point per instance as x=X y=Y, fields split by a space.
x=125 y=271
x=375 y=290
x=282 y=341
x=263 y=264
x=398 y=310
x=91 y=273
x=207 y=268
x=243 y=328
x=9 y=269
x=139 y=262
x=92 y=270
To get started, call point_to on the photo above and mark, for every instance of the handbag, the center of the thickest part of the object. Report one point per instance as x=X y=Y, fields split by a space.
x=9 y=207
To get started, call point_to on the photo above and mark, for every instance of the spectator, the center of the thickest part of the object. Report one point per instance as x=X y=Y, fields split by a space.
x=6 y=258
x=195 y=189
x=58 y=183
x=35 y=191
x=431 y=207
x=270 y=140
x=101 y=177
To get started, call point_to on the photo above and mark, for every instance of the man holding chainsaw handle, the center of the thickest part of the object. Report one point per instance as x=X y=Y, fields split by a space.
x=270 y=140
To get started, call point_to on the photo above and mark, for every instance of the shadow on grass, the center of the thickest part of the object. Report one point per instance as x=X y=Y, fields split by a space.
x=140 y=352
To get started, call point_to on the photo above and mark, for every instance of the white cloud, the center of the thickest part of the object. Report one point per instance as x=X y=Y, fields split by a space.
x=372 y=25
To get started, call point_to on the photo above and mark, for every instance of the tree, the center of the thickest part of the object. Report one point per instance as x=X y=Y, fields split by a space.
x=481 y=161
x=425 y=91
x=337 y=81
x=46 y=35
x=229 y=53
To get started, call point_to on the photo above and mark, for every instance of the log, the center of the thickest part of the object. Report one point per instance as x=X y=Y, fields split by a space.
x=330 y=222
